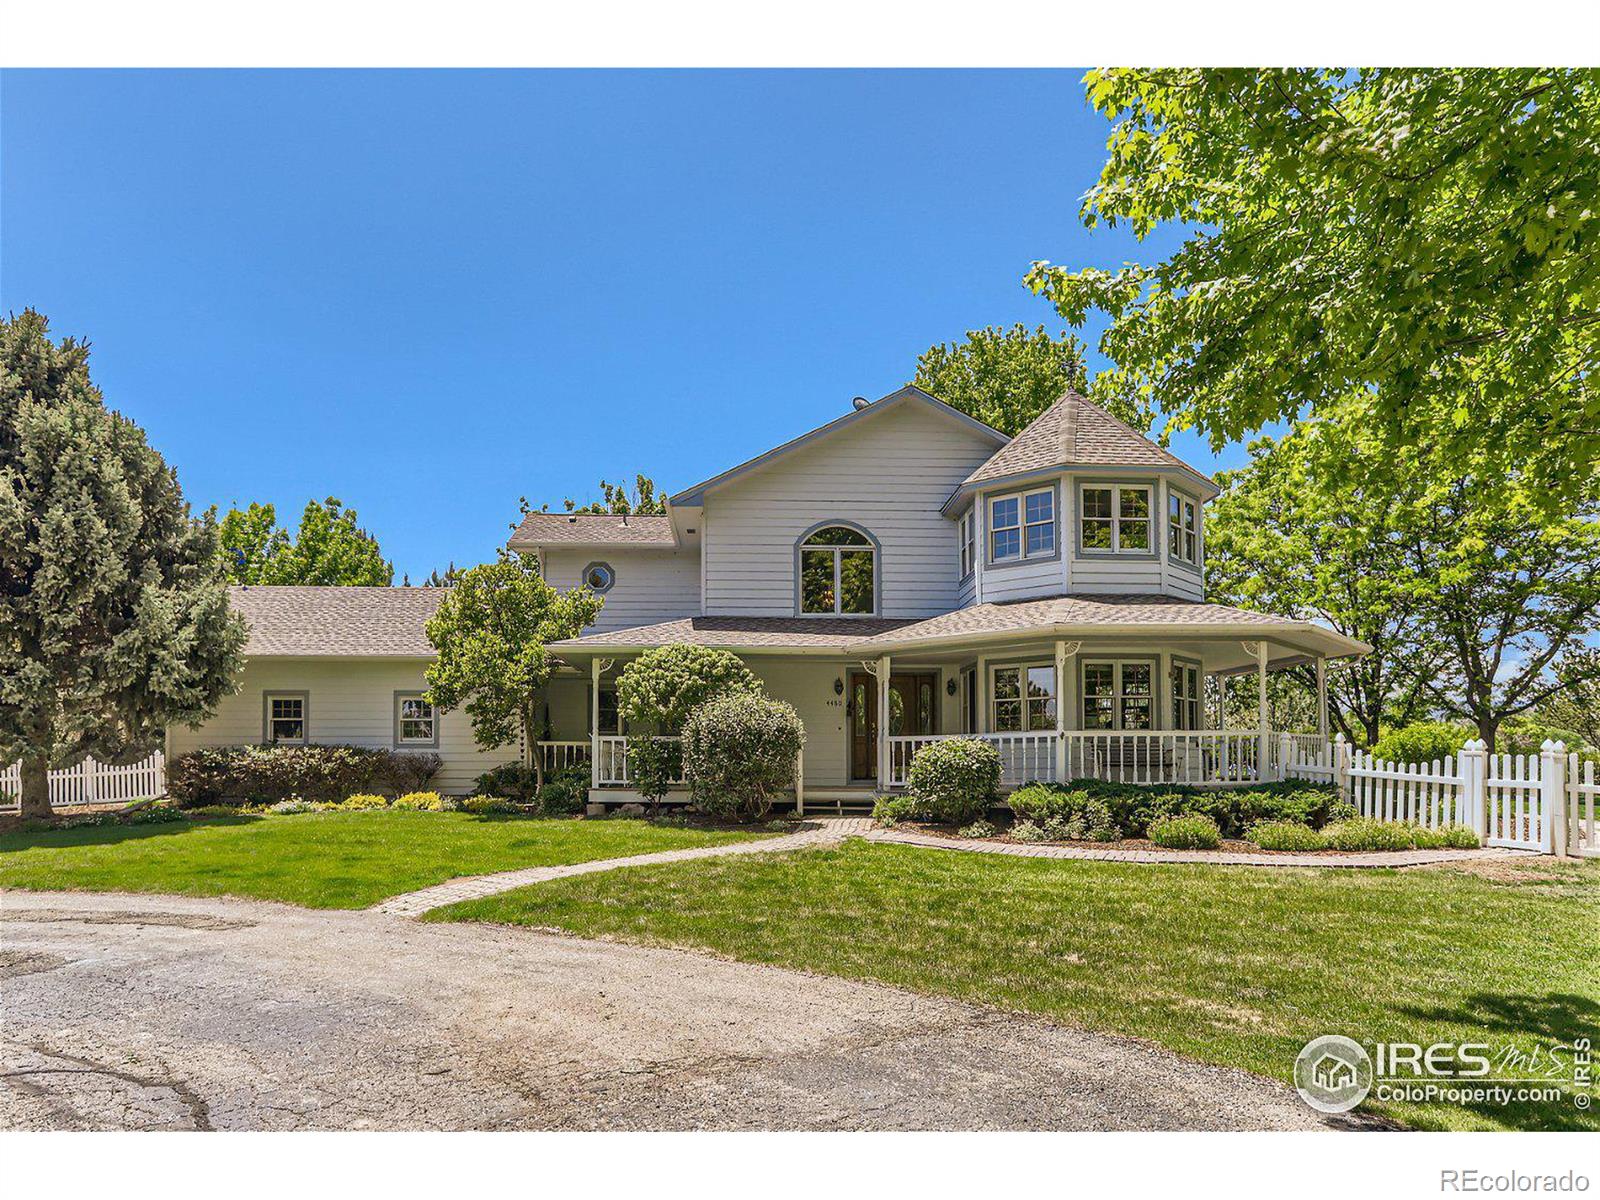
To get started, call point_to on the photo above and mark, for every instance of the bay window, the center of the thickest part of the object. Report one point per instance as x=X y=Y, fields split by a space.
x=1022 y=526
x=1183 y=529
x=964 y=534
x=1024 y=699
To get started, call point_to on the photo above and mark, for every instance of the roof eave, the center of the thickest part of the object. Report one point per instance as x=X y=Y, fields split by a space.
x=1351 y=647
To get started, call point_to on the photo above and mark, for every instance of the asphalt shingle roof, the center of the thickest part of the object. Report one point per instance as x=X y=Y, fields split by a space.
x=337 y=622
x=1075 y=432
x=592 y=529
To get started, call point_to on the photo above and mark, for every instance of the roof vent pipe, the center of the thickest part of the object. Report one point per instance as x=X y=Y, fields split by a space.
x=859 y=403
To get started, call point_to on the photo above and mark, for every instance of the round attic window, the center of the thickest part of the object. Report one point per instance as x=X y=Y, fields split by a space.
x=598 y=577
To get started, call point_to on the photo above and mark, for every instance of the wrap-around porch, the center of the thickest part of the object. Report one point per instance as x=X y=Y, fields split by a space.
x=1119 y=709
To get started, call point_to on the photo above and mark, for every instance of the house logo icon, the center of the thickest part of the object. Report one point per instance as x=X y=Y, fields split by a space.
x=1333 y=1074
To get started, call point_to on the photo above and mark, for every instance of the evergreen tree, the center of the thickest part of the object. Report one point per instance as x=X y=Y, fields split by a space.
x=115 y=621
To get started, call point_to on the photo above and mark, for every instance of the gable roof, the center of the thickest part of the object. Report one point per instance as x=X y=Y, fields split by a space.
x=1076 y=432
x=694 y=496
x=592 y=529
x=336 y=622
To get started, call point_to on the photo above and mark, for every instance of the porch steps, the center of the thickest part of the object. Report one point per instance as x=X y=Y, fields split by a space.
x=852 y=802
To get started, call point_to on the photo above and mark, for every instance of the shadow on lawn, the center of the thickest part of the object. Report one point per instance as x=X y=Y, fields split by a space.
x=110 y=835
x=1533 y=1027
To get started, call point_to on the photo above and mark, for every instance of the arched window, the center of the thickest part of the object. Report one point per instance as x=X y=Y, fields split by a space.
x=838 y=572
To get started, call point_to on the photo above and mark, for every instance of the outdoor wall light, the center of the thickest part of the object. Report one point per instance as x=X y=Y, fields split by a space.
x=838 y=686
x=950 y=687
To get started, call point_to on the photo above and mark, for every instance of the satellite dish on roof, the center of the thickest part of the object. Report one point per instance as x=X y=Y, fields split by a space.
x=859 y=403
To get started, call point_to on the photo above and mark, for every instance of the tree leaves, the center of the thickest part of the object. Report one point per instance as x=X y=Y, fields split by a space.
x=328 y=550
x=1003 y=377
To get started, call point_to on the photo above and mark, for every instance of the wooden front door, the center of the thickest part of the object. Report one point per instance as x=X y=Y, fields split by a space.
x=913 y=709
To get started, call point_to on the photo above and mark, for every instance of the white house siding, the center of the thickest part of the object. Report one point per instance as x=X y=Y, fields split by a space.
x=351 y=703
x=651 y=586
x=889 y=474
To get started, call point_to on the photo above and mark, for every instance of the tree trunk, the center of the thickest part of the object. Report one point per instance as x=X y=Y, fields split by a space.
x=35 y=800
x=1488 y=730
x=529 y=734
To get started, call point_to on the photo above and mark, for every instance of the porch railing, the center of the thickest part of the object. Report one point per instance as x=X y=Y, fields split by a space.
x=613 y=762
x=557 y=755
x=1186 y=757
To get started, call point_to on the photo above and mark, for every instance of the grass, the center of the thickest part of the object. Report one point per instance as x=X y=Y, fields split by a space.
x=1229 y=965
x=320 y=860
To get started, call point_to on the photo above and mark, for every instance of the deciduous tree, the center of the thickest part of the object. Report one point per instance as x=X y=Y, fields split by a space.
x=1003 y=377
x=491 y=630
x=1425 y=236
x=114 y=618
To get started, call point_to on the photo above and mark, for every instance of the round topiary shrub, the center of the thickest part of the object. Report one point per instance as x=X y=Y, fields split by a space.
x=954 y=780
x=1363 y=833
x=1186 y=833
x=657 y=691
x=739 y=753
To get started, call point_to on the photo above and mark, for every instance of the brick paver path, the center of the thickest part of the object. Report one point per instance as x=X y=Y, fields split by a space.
x=410 y=904
x=1387 y=858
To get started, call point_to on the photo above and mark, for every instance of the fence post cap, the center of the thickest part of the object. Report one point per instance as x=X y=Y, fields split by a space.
x=1338 y=737
x=1551 y=746
x=1476 y=744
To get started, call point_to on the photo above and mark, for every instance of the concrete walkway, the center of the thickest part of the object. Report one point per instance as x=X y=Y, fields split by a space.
x=828 y=831
x=816 y=833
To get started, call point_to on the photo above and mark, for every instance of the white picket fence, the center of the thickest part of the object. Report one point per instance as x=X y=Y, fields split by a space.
x=1543 y=801
x=93 y=782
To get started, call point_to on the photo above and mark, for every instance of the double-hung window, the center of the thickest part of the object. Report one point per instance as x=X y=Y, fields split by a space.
x=1022 y=525
x=1024 y=699
x=964 y=533
x=1183 y=529
x=1117 y=695
x=415 y=722
x=1185 y=696
x=286 y=718
x=1115 y=518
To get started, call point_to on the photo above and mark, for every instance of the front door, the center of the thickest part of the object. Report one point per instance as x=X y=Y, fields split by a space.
x=913 y=709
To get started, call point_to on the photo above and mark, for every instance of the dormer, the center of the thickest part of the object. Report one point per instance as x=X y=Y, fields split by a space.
x=1079 y=502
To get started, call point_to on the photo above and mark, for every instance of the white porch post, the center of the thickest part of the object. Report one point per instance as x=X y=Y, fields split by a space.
x=1262 y=747
x=594 y=724
x=1322 y=697
x=1061 y=711
x=800 y=783
x=883 y=721
x=980 y=719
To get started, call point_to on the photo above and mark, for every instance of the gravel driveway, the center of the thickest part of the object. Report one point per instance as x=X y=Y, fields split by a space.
x=142 y=1012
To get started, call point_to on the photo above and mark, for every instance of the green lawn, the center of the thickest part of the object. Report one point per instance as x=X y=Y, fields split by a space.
x=1229 y=965
x=320 y=860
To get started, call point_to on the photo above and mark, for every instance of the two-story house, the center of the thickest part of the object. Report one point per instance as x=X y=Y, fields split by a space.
x=900 y=574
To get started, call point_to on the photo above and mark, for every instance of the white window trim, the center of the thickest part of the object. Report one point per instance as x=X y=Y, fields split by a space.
x=1183 y=498
x=1022 y=680
x=1119 y=693
x=305 y=718
x=1151 y=550
x=1022 y=526
x=967 y=548
x=402 y=742
x=801 y=549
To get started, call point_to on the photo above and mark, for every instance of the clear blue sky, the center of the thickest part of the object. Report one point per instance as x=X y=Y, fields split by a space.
x=429 y=293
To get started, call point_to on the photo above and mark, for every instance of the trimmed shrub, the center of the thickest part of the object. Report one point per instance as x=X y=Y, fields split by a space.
x=739 y=753
x=978 y=829
x=889 y=811
x=657 y=691
x=1423 y=742
x=565 y=791
x=1185 y=833
x=511 y=780
x=488 y=805
x=1286 y=835
x=288 y=808
x=1029 y=831
x=419 y=802
x=954 y=780
x=653 y=764
x=265 y=774
x=359 y=803
x=1363 y=833
x=1445 y=837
